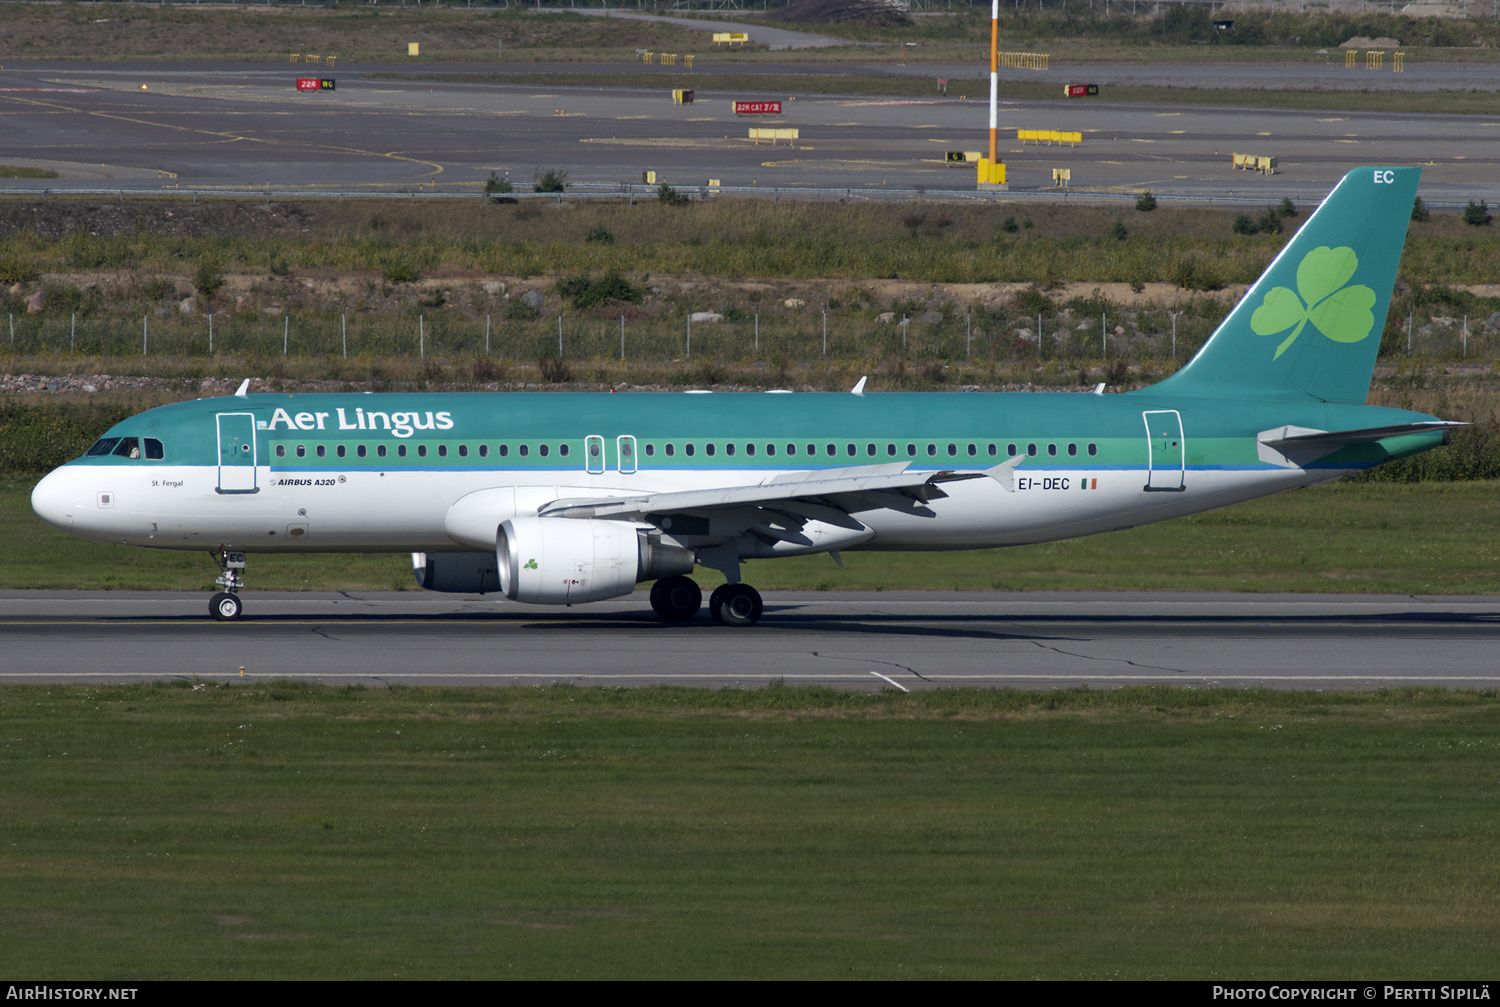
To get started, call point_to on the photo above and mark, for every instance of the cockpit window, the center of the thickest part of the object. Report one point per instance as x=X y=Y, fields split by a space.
x=129 y=447
x=103 y=446
x=154 y=450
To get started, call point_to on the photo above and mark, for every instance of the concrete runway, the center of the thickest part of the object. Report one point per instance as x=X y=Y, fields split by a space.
x=861 y=641
x=220 y=128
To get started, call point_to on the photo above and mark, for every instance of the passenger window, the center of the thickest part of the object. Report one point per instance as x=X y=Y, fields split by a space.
x=870 y=450
x=791 y=449
x=421 y=450
x=380 y=450
x=728 y=450
x=463 y=451
x=442 y=451
x=280 y=451
x=562 y=449
x=771 y=450
x=1010 y=449
x=400 y=450
x=973 y=450
x=993 y=452
x=852 y=450
x=650 y=450
x=154 y=450
x=890 y=449
x=671 y=450
x=301 y=450
x=931 y=450
x=832 y=450
x=504 y=450
x=1072 y=450
x=708 y=449
x=749 y=449
x=129 y=447
x=812 y=449
x=322 y=451
x=952 y=449
x=688 y=449
x=1093 y=449
x=524 y=450
x=1031 y=450
x=484 y=450
x=103 y=446
x=360 y=450
x=542 y=450
x=1052 y=450
x=342 y=451
x=911 y=451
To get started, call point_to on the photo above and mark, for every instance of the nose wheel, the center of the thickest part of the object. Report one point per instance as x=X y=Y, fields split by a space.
x=226 y=606
x=735 y=605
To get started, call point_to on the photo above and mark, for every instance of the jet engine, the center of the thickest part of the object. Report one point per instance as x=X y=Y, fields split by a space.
x=456 y=572
x=566 y=561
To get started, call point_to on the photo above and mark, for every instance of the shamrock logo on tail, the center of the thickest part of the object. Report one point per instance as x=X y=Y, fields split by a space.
x=1341 y=313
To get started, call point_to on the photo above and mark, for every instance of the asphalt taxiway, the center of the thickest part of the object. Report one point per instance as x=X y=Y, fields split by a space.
x=862 y=641
x=206 y=128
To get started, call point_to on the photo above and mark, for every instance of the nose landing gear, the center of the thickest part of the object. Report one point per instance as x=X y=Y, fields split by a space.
x=225 y=606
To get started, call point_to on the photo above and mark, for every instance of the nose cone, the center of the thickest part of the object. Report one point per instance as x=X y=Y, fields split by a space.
x=53 y=499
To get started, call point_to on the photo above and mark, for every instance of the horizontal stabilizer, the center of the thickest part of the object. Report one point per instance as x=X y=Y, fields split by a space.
x=1297 y=446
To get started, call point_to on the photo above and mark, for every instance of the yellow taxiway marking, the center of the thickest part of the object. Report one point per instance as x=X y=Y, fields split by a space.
x=1262 y=134
x=848 y=165
x=632 y=117
x=1336 y=119
x=1163 y=115
x=1175 y=132
x=708 y=143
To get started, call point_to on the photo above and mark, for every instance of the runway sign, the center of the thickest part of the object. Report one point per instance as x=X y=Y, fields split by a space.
x=316 y=84
x=1080 y=90
x=757 y=108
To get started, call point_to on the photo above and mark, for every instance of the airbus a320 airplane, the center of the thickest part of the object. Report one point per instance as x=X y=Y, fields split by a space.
x=563 y=499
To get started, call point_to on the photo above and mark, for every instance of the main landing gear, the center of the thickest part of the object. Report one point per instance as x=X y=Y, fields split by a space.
x=225 y=606
x=678 y=599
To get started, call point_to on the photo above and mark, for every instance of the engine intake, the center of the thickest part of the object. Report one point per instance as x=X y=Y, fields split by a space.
x=563 y=561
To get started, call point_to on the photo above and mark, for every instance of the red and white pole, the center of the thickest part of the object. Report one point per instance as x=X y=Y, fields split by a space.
x=994 y=73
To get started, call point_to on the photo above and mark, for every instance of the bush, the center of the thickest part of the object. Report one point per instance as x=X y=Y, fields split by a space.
x=555 y=370
x=1287 y=209
x=1243 y=225
x=1477 y=212
x=209 y=278
x=1270 y=221
x=162 y=289
x=1118 y=232
x=1010 y=226
x=16 y=271
x=551 y=180
x=495 y=188
x=1033 y=301
x=399 y=269
x=587 y=293
x=1419 y=211
x=1145 y=202
x=599 y=235
x=669 y=196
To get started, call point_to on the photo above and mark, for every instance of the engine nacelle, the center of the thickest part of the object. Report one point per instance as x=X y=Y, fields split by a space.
x=456 y=572
x=562 y=561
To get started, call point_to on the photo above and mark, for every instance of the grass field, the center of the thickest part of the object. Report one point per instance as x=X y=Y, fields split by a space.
x=280 y=830
x=1398 y=538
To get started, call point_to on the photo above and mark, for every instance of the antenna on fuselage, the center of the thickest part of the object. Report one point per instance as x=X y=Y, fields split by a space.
x=859 y=389
x=244 y=387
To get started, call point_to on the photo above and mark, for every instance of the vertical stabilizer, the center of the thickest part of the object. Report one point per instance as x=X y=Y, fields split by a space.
x=1310 y=326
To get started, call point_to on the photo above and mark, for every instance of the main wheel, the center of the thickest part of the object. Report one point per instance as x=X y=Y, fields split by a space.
x=225 y=607
x=676 y=599
x=735 y=605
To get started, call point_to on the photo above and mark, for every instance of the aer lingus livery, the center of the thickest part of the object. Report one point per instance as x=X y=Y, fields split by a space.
x=564 y=499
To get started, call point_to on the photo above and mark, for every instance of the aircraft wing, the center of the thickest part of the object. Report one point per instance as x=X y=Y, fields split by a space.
x=846 y=490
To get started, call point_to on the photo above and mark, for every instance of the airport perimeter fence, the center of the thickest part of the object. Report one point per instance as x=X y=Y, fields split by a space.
x=807 y=334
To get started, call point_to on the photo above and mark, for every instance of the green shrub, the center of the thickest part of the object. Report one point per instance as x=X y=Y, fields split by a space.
x=1477 y=212
x=17 y=271
x=551 y=180
x=1118 y=232
x=1419 y=211
x=599 y=235
x=1243 y=225
x=669 y=196
x=611 y=287
x=1145 y=202
x=208 y=280
x=400 y=269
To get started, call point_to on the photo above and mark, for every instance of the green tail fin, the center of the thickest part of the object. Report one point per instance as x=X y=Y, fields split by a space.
x=1310 y=326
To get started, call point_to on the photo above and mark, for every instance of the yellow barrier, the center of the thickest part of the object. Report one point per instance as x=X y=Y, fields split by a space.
x=668 y=59
x=1374 y=58
x=713 y=183
x=991 y=174
x=731 y=37
x=646 y=56
x=1256 y=162
x=1051 y=136
x=413 y=48
x=1062 y=176
x=1349 y=57
x=331 y=59
x=648 y=177
x=310 y=58
x=687 y=61
x=1025 y=60
x=773 y=134
x=1398 y=62
x=296 y=56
